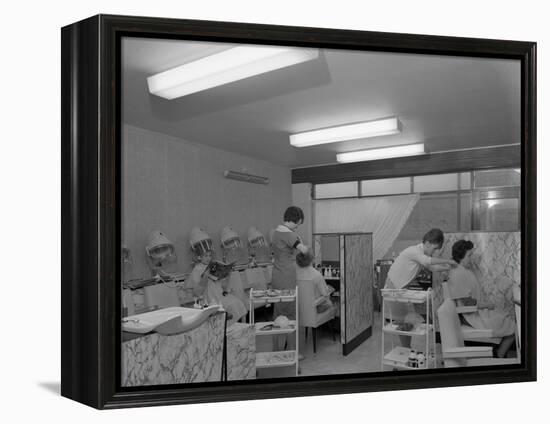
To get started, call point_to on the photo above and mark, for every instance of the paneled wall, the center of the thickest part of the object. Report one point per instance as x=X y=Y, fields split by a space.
x=171 y=185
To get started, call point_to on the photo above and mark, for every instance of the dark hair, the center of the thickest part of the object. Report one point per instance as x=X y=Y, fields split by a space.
x=304 y=259
x=294 y=214
x=460 y=248
x=434 y=236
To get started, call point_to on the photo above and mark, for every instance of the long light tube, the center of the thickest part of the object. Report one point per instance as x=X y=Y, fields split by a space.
x=346 y=132
x=230 y=65
x=382 y=153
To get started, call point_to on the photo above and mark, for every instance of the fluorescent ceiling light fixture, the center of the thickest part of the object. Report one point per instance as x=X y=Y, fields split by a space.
x=382 y=153
x=346 y=132
x=230 y=65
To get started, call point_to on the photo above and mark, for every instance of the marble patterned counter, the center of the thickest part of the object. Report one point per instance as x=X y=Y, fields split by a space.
x=241 y=352
x=496 y=263
x=190 y=357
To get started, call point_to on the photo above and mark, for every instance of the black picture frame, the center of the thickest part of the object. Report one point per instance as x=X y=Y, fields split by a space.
x=91 y=209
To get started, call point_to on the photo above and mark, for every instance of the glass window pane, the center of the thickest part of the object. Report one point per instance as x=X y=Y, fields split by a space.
x=330 y=248
x=465 y=181
x=332 y=190
x=466 y=212
x=499 y=214
x=497 y=178
x=438 y=182
x=386 y=186
x=431 y=211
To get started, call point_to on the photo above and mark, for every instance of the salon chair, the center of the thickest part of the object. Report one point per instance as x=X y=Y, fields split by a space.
x=308 y=316
x=455 y=354
x=471 y=334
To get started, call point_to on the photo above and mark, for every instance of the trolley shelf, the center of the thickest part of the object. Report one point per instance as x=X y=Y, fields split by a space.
x=280 y=358
x=259 y=325
x=419 y=331
x=274 y=296
x=276 y=359
x=398 y=358
x=404 y=296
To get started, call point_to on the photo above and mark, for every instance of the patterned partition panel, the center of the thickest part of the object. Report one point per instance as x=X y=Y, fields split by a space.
x=358 y=284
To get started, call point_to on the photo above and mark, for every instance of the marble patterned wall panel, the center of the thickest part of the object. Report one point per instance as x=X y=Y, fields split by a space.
x=190 y=357
x=496 y=263
x=359 y=280
x=241 y=352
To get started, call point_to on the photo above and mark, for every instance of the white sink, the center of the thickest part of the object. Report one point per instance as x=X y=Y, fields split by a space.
x=167 y=321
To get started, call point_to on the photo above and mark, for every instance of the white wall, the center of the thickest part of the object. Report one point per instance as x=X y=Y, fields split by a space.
x=172 y=185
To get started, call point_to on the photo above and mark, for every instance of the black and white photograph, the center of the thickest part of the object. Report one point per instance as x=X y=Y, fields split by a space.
x=294 y=212
x=267 y=212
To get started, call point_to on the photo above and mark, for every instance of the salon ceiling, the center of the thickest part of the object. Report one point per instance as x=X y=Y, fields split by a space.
x=448 y=103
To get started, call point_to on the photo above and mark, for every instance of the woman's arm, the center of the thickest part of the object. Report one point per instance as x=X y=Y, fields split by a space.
x=302 y=248
x=440 y=261
x=439 y=268
x=321 y=285
x=434 y=264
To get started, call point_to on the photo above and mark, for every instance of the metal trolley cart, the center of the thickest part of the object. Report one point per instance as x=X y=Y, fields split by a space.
x=283 y=358
x=400 y=357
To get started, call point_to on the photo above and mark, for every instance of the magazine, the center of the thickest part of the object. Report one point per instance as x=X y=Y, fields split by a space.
x=219 y=270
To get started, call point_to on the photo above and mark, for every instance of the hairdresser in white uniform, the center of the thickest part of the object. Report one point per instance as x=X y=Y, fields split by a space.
x=407 y=265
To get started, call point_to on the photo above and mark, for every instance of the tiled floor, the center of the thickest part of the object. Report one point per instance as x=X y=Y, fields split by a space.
x=329 y=358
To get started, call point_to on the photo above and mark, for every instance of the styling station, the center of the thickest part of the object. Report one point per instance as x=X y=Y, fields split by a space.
x=307 y=212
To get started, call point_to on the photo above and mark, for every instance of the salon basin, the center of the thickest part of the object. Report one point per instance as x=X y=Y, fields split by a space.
x=168 y=320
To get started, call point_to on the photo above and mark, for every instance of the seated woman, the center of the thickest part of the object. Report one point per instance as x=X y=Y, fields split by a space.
x=305 y=271
x=463 y=284
x=215 y=292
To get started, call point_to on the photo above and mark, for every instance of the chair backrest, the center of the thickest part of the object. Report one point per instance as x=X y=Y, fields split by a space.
x=306 y=303
x=256 y=278
x=161 y=295
x=449 y=329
